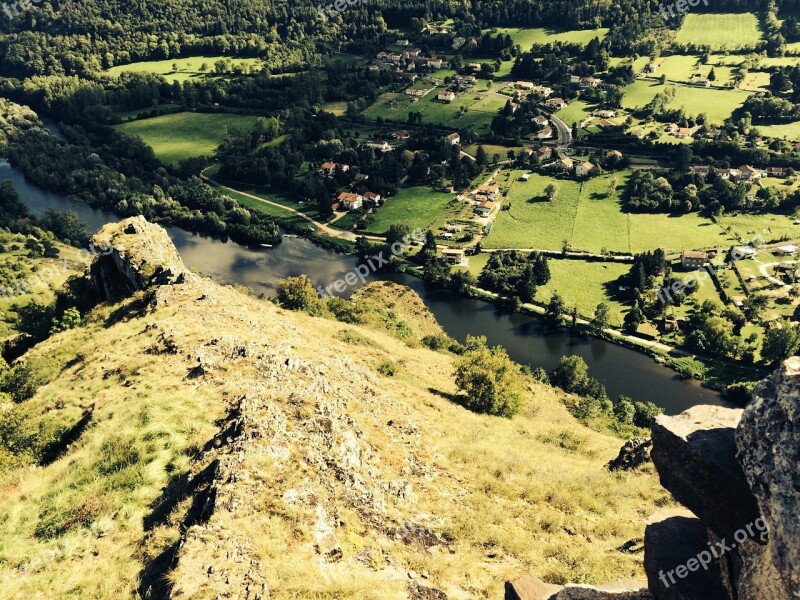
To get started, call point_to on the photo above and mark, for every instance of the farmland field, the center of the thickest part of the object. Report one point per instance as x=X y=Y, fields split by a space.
x=528 y=37
x=755 y=81
x=687 y=68
x=585 y=285
x=593 y=221
x=720 y=31
x=415 y=207
x=187 y=68
x=184 y=135
x=575 y=112
x=718 y=105
x=789 y=131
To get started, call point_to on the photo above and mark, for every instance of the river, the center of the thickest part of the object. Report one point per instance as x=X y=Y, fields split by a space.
x=621 y=370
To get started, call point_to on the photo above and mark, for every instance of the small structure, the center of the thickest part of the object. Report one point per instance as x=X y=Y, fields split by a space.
x=454 y=258
x=584 y=169
x=525 y=177
x=787 y=250
x=484 y=209
x=743 y=253
x=454 y=139
x=401 y=135
x=446 y=96
x=692 y=260
x=605 y=114
x=351 y=201
x=524 y=85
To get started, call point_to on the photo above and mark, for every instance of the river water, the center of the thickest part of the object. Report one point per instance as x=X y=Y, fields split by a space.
x=621 y=370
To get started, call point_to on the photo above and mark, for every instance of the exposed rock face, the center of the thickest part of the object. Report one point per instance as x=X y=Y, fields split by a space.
x=132 y=255
x=531 y=588
x=768 y=447
x=632 y=455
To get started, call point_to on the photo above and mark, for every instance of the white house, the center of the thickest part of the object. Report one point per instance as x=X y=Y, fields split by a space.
x=455 y=258
x=484 y=209
x=446 y=96
x=454 y=139
x=556 y=103
x=541 y=121
x=584 y=169
x=788 y=250
x=351 y=201
x=545 y=134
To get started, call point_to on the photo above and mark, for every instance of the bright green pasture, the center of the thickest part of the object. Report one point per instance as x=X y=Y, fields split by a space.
x=414 y=206
x=528 y=37
x=720 y=31
x=187 y=68
x=184 y=135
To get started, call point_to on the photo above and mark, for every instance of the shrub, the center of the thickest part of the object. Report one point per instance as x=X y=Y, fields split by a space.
x=387 y=369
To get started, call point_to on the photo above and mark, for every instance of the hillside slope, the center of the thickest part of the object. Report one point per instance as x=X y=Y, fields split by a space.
x=215 y=445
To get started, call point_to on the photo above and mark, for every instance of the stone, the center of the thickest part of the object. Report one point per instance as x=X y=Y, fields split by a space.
x=695 y=456
x=528 y=587
x=632 y=455
x=768 y=448
x=671 y=541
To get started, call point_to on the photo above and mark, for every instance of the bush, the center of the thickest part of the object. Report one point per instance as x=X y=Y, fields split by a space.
x=21 y=383
x=490 y=380
x=297 y=293
x=387 y=369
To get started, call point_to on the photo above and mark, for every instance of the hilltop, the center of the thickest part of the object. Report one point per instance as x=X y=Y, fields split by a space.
x=203 y=442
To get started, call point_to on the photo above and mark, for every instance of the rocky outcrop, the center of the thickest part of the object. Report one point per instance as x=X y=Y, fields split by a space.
x=531 y=588
x=768 y=448
x=132 y=255
x=632 y=455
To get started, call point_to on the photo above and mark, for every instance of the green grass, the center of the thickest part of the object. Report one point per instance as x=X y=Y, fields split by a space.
x=262 y=207
x=755 y=81
x=527 y=37
x=718 y=105
x=687 y=68
x=720 y=31
x=184 y=135
x=592 y=221
x=585 y=285
x=414 y=206
x=788 y=131
x=187 y=68
x=575 y=112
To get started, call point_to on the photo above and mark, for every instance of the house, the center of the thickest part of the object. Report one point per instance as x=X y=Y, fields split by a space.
x=748 y=173
x=702 y=170
x=605 y=114
x=613 y=154
x=454 y=258
x=524 y=85
x=454 y=228
x=484 y=209
x=527 y=151
x=541 y=121
x=415 y=92
x=683 y=132
x=743 y=252
x=542 y=90
x=777 y=172
x=454 y=139
x=590 y=82
x=329 y=168
x=402 y=42
x=543 y=153
x=671 y=128
x=446 y=96
x=545 y=134
x=491 y=191
x=574 y=79
x=474 y=67
x=788 y=250
x=693 y=260
x=372 y=197
x=584 y=169
x=351 y=201
x=703 y=83
x=381 y=145
x=555 y=103
x=605 y=123
x=565 y=164
x=360 y=178
x=401 y=135
x=406 y=76
x=637 y=132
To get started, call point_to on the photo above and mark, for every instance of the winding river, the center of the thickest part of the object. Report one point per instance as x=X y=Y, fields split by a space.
x=621 y=370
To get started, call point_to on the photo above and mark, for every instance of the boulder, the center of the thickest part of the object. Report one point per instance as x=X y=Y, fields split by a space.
x=768 y=448
x=530 y=588
x=632 y=455
x=673 y=540
x=695 y=456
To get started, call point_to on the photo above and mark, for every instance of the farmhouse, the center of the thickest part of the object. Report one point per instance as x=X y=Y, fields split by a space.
x=492 y=191
x=693 y=259
x=329 y=168
x=545 y=134
x=454 y=139
x=446 y=96
x=484 y=209
x=454 y=258
x=351 y=201
x=555 y=103
x=584 y=169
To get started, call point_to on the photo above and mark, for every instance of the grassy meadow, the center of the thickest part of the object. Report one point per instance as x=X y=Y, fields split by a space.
x=414 y=206
x=718 y=105
x=739 y=31
x=184 y=69
x=179 y=136
x=529 y=36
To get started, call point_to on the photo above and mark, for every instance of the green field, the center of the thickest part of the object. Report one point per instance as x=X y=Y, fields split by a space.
x=789 y=131
x=592 y=221
x=585 y=285
x=755 y=81
x=718 y=105
x=720 y=31
x=187 y=68
x=415 y=207
x=184 y=135
x=575 y=112
x=687 y=68
x=481 y=107
x=528 y=37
